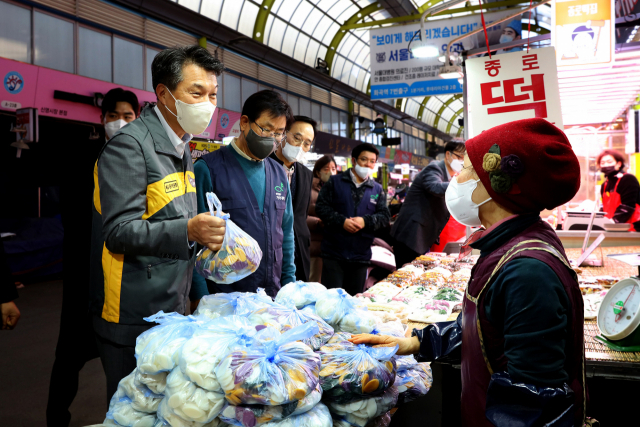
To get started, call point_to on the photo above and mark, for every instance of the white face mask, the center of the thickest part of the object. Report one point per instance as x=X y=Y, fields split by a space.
x=364 y=172
x=193 y=118
x=456 y=165
x=460 y=205
x=110 y=128
x=506 y=38
x=293 y=154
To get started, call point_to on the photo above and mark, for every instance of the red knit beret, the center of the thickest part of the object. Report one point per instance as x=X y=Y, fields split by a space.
x=526 y=165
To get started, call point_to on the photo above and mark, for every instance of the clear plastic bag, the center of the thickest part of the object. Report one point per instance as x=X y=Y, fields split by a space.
x=141 y=398
x=201 y=354
x=356 y=372
x=360 y=412
x=344 y=312
x=309 y=308
x=190 y=402
x=257 y=415
x=239 y=256
x=166 y=417
x=154 y=382
x=287 y=316
x=238 y=303
x=121 y=413
x=413 y=382
x=301 y=293
x=157 y=349
x=319 y=416
x=394 y=329
x=277 y=369
x=381 y=421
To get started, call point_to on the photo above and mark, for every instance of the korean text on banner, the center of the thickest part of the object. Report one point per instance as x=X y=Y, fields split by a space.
x=396 y=73
x=512 y=86
x=583 y=32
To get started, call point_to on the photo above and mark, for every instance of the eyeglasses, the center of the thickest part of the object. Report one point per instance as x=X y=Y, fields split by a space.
x=298 y=141
x=264 y=132
x=457 y=156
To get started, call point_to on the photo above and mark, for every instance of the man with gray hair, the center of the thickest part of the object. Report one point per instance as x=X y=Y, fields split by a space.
x=145 y=223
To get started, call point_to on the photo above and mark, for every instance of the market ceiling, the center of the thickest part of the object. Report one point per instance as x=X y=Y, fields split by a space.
x=337 y=31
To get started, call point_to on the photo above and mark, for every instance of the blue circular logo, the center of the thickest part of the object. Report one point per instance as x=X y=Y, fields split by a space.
x=224 y=120
x=13 y=82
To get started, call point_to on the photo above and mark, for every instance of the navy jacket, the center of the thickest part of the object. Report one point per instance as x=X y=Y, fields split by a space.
x=340 y=199
x=424 y=212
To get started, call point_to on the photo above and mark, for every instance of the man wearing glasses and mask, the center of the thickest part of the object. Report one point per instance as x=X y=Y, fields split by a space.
x=291 y=154
x=254 y=191
x=353 y=207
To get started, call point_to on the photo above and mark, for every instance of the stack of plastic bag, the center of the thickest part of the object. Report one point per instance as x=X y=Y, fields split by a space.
x=238 y=303
x=413 y=379
x=157 y=349
x=287 y=316
x=257 y=415
x=360 y=412
x=344 y=312
x=301 y=293
x=356 y=372
x=133 y=404
x=239 y=257
x=201 y=354
x=394 y=329
x=381 y=421
x=277 y=369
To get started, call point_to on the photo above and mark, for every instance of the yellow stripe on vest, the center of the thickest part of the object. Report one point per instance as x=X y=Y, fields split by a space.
x=96 y=190
x=161 y=193
x=112 y=268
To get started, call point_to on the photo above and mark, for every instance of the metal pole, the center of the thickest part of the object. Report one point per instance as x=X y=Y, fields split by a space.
x=474 y=32
x=465 y=111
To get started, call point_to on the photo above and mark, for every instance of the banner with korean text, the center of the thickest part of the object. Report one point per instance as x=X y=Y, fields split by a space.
x=396 y=73
x=512 y=86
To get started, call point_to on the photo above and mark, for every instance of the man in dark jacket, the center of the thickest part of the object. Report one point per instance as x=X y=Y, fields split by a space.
x=290 y=154
x=424 y=212
x=77 y=341
x=352 y=206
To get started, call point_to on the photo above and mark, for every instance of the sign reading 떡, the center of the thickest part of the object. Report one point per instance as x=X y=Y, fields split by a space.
x=512 y=86
x=583 y=32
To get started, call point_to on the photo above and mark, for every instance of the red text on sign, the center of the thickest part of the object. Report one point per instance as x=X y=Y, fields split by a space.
x=533 y=92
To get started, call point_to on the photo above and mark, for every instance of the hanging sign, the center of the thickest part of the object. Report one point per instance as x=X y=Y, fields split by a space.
x=512 y=86
x=396 y=73
x=583 y=32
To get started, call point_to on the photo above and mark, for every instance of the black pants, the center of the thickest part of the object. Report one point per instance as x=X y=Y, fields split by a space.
x=349 y=276
x=117 y=361
x=76 y=346
x=404 y=254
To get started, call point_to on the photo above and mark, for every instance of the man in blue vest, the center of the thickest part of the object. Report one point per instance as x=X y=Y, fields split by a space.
x=352 y=206
x=254 y=191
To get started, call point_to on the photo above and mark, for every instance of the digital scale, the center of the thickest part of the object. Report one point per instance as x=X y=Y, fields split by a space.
x=619 y=314
x=578 y=221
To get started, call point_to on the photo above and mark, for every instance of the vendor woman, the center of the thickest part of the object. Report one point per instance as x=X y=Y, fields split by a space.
x=621 y=191
x=521 y=327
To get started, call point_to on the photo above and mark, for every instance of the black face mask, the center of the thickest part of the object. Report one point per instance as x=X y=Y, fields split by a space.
x=260 y=146
x=608 y=170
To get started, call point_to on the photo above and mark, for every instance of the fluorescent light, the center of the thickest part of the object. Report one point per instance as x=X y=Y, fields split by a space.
x=424 y=50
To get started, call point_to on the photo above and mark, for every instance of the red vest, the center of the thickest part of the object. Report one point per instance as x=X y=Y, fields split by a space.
x=483 y=344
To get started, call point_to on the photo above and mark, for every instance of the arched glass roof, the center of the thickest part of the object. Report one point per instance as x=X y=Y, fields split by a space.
x=310 y=29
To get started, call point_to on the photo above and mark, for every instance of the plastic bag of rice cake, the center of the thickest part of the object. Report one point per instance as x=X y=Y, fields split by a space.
x=275 y=370
x=360 y=412
x=239 y=303
x=300 y=293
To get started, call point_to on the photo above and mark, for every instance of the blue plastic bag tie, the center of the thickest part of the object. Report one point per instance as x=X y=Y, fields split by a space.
x=214 y=202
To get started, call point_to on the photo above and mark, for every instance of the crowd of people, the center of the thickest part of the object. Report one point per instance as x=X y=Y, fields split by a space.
x=150 y=218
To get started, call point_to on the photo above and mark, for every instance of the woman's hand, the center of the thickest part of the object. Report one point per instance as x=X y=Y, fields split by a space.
x=406 y=346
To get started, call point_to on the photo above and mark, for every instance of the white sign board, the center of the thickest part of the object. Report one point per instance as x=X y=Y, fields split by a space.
x=583 y=32
x=395 y=73
x=512 y=86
